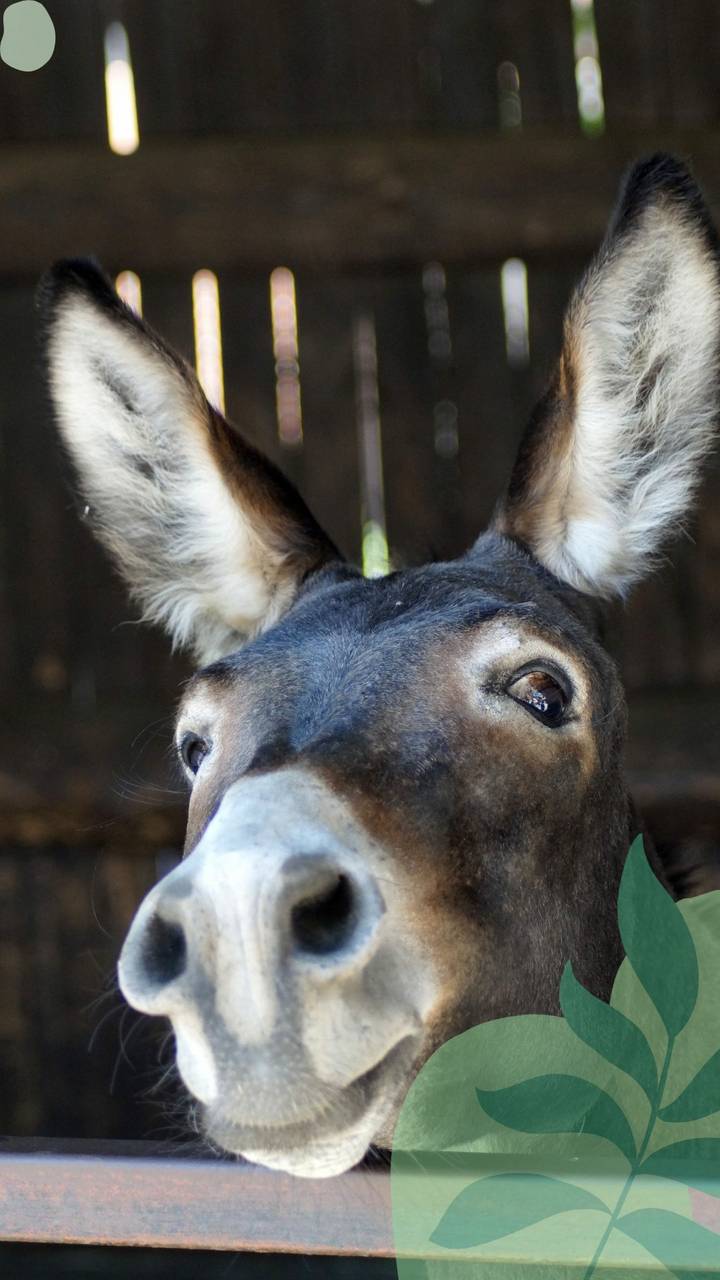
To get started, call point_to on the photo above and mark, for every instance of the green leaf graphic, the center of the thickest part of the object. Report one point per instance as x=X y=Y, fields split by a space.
x=498 y=1205
x=559 y=1104
x=678 y=1242
x=587 y=1078
x=696 y=1162
x=657 y=941
x=609 y=1032
x=701 y=1098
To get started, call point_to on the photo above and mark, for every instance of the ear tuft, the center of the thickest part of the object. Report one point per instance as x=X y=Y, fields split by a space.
x=612 y=456
x=660 y=177
x=83 y=275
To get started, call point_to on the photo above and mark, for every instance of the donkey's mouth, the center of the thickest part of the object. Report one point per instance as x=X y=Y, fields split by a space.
x=333 y=1139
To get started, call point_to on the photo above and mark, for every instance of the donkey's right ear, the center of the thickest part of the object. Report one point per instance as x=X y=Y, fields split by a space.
x=610 y=462
x=209 y=535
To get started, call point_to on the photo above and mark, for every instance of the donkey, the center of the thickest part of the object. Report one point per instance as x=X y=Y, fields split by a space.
x=407 y=804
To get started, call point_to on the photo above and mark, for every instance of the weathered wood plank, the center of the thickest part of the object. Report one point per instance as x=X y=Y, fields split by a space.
x=322 y=202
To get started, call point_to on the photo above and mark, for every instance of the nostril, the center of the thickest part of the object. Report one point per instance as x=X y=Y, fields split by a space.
x=164 y=951
x=324 y=922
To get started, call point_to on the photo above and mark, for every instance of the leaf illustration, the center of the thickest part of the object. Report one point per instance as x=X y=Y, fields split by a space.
x=678 y=1242
x=701 y=1097
x=696 y=1162
x=498 y=1205
x=559 y=1104
x=609 y=1032
x=567 y=1064
x=657 y=941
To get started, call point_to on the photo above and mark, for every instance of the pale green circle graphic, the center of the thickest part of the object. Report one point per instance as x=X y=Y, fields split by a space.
x=28 y=39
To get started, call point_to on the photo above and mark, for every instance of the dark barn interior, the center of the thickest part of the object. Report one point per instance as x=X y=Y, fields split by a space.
x=434 y=174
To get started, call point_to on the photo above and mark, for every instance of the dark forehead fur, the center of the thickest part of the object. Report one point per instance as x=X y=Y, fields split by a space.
x=408 y=606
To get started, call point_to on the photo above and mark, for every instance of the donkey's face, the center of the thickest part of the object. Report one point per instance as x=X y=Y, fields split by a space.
x=407 y=805
x=394 y=833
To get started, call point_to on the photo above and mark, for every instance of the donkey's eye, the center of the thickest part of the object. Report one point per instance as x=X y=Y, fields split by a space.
x=542 y=694
x=193 y=751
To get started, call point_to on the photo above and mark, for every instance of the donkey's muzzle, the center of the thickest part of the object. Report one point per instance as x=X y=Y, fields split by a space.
x=260 y=916
x=277 y=956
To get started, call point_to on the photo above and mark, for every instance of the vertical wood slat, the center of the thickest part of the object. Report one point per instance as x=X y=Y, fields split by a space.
x=456 y=63
x=353 y=64
x=249 y=364
x=538 y=39
x=63 y=917
x=18 y=401
x=490 y=396
x=312 y=63
x=163 y=36
x=694 y=52
x=415 y=523
x=659 y=60
x=20 y=1095
x=330 y=467
x=218 y=68
x=634 y=56
x=440 y=388
x=35 y=520
x=286 y=66
x=550 y=289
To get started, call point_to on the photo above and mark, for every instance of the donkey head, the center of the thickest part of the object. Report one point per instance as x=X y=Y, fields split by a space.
x=407 y=807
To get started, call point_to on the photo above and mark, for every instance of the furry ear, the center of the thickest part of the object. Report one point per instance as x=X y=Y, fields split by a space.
x=210 y=537
x=612 y=455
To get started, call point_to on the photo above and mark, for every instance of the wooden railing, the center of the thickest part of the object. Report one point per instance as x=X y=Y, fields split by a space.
x=151 y=1195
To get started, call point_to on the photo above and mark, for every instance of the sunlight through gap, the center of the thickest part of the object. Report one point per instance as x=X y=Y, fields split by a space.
x=122 y=122
x=208 y=336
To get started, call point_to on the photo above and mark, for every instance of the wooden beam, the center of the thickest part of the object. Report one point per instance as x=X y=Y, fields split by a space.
x=337 y=202
x=69 y=1193
x=149 y=1195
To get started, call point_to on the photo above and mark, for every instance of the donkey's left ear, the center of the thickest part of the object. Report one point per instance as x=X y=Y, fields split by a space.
x=210 y=537
x=612 y=455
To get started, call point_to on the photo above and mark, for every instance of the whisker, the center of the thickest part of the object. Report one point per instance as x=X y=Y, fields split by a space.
x=154 y=725
x=116 y=1009
x=124 y=1042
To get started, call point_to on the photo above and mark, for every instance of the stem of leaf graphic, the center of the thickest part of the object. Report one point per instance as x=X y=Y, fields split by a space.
x=657 y=1100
